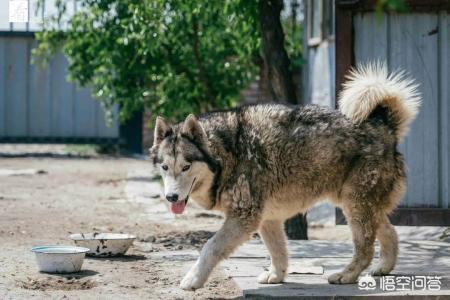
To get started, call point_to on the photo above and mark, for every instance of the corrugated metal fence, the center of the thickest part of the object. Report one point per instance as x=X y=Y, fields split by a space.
x=39 y=104
x=419 y=43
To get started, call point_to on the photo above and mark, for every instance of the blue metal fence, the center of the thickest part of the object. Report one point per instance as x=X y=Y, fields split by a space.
x=39 y=104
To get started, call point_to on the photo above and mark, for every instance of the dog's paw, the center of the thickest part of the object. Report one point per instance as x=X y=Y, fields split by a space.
x=191 y=282
x=380 y=271
x=342 y=278
x=270 y=277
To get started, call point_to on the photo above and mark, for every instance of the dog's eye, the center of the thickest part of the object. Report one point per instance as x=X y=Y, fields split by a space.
x=165 y=167
x=185 y=168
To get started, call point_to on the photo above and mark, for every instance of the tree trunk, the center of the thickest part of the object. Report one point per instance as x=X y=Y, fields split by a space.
x=279 y=80
x=297 y=228
x=276 y=60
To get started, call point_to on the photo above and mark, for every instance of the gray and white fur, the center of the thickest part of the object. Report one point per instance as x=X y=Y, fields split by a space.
x=262 y=164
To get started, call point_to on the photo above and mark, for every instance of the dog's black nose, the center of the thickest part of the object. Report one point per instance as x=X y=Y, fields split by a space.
x=172 y=197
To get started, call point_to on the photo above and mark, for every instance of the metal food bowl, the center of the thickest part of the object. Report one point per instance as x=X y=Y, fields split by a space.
x=104 y=244
x=59 y=259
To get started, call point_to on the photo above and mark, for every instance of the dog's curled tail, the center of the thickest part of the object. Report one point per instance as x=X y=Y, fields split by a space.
x=370 y=91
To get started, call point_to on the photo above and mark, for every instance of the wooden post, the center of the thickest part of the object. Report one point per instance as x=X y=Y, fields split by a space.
x=296 y=228
x=344 y=45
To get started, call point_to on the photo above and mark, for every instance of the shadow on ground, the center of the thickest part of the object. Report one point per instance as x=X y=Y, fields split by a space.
x=122 y=258
x=78 y=275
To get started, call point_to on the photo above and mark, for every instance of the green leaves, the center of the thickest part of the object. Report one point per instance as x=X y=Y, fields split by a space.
x=391 y=5
x=171 y=56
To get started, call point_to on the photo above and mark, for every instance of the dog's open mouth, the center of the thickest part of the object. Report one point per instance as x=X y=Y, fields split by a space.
x=179 y=206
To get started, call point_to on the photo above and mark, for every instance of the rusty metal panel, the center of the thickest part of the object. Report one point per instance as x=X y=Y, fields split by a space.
x=321 y=74
x=371 y=36
x=62 y=98
x=414 y=49
x=105 y=129
x=39 y=103
x=444 y=93
x=16 y=57
x=85 y=113
x=2 y=87
x=416 y=42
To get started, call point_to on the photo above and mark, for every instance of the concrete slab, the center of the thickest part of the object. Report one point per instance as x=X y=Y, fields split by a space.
x=417 y=258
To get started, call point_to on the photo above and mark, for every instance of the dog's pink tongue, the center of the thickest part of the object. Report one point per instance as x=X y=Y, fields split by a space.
x=178 y=207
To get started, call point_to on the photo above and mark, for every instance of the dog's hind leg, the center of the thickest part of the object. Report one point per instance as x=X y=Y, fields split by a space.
x=274 y=238
x=387 y=236
x=363 y=226
x=220 y=246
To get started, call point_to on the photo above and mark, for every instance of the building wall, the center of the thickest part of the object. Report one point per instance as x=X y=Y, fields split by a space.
x=418 y=43
x=39 y=103
x=320 y=74
x=319 y=50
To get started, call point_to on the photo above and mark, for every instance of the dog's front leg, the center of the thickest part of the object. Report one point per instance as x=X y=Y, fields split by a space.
x=272 y=233
x=220 y=246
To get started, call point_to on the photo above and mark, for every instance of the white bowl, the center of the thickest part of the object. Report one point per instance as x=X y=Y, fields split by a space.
x=59 y=259
x=104 y=244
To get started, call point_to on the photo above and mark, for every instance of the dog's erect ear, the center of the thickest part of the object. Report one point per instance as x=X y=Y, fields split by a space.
x=162 y=130
x=194 y=130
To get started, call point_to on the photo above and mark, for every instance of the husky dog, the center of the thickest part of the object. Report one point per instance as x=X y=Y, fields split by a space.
x=263 y=164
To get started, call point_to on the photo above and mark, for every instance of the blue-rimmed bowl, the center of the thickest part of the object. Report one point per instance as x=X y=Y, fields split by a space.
x=59 y=259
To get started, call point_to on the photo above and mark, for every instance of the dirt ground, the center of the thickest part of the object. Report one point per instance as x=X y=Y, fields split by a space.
x=84 y=195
